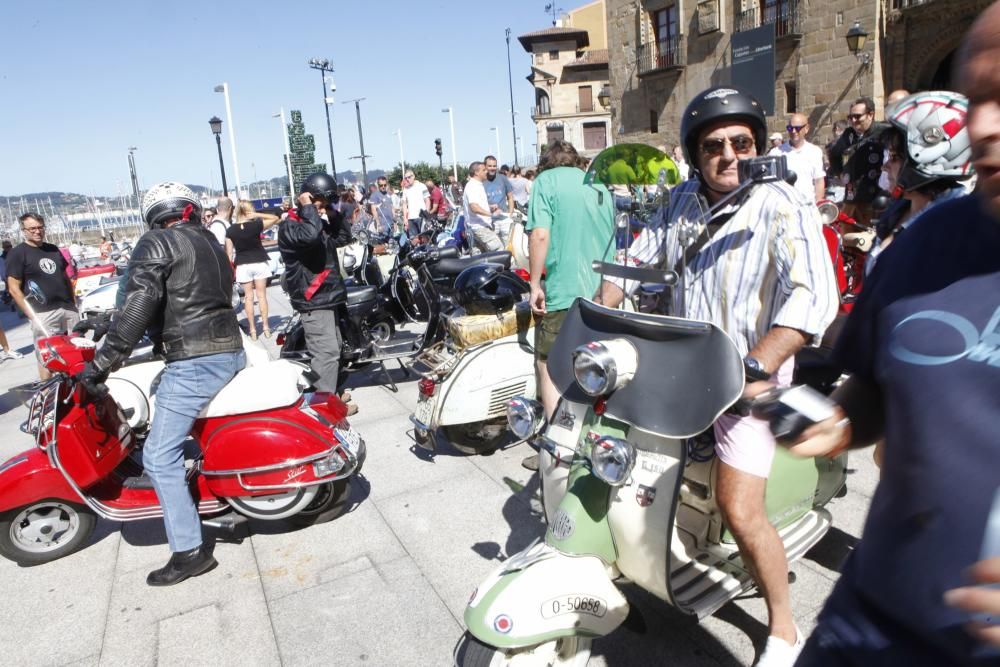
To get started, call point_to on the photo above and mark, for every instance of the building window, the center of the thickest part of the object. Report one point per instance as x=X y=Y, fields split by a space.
x=595 y=136
x=654 y=121
x=780 y=13
x=791 y=93
x=542 y=107
x=554 y=134
x=586 y=99
x=554 y=55
x=667 y=30
x=539 y=58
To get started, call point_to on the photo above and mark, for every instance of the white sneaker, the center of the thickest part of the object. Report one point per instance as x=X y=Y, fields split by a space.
x=12 y=354
x=779 y=653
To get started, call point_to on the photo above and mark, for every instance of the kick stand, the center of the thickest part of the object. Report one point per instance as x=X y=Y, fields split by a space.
x=389 y=382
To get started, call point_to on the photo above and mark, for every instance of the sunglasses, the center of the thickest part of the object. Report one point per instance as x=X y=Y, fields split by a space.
x=742 y=145
x=794 y=128
x=856 y=116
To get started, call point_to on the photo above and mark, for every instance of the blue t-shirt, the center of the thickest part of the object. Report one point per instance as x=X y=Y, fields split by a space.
x=926 y=332
x=496 y=191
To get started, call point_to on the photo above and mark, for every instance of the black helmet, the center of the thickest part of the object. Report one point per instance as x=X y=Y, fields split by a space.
x=320 y=184
x=485 y=289
x=169 y=201
x=713 y=105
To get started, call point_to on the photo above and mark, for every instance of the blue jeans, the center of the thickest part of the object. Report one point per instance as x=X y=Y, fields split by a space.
x=185 y=387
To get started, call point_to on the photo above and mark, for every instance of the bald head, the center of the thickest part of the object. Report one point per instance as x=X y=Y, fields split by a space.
x=798 y=129
x=979 y=80
x=896 y=96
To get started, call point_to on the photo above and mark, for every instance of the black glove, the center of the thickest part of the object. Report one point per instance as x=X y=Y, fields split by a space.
x=92 y=378
x=98 y=326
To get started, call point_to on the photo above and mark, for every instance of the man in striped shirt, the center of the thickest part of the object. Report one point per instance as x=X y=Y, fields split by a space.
x=759 y=269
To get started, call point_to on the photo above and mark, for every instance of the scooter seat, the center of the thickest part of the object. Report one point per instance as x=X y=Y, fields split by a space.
x=453 y=267
x=255 y=388
x=360 y=294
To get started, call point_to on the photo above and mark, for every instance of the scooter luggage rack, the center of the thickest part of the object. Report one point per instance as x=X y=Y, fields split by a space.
x=43 y=406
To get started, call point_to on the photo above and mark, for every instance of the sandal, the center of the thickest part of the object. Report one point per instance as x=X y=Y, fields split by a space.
x=267 y=332
x=253 y=335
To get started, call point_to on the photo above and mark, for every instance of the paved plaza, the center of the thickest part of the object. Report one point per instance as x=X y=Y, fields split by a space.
x=386 y=584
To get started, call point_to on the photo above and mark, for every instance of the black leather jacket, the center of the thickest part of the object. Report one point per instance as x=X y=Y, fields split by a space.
x=180 y=288
x=860 y=157
x=308 y=246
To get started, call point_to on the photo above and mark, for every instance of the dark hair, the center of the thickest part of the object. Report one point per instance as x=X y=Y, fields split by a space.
x=33 y=216
x=867 y=101
x=489 y=157
x=559 y=154
x=210 y=209
x=474 y=166
x=529 y=174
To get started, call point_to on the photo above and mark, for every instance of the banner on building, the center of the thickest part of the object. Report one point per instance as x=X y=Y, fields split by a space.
x=753 y=64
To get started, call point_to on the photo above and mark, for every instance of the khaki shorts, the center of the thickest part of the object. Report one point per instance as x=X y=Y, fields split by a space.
x=59 y=320
x=546 y=330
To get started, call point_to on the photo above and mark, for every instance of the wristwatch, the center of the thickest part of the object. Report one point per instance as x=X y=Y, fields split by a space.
x=754 y=370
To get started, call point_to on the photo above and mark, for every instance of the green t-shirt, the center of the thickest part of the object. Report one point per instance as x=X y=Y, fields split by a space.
x=581 y=222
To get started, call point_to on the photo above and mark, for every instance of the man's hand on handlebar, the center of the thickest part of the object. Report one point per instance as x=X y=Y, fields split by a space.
x=92 y=379
x=99 y=326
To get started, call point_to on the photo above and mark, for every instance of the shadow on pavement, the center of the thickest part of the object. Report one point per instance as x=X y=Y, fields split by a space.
x=833 y=549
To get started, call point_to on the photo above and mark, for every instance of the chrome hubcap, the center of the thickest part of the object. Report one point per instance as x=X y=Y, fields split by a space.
x=44 y=527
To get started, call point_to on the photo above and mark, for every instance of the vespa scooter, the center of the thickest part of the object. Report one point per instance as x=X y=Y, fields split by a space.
x=268 y=455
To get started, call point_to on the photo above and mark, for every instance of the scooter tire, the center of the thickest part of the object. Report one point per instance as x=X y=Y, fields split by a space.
x=14 y=542
x=331 y=502
x=465 y=441
x=565 y=652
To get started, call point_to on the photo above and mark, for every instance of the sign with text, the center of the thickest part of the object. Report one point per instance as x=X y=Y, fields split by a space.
x=753 y=64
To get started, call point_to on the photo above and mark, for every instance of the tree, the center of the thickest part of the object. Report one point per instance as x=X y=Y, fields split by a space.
x=423 y=171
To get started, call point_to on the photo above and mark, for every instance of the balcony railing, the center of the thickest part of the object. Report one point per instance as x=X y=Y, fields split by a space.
x=539 y=112
x=906 y=4
x=661 y=56
x=786 y=15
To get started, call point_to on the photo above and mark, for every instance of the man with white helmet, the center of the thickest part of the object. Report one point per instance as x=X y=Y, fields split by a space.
x=179 y=288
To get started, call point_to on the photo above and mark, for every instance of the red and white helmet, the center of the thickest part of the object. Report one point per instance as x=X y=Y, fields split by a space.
x=935 y=136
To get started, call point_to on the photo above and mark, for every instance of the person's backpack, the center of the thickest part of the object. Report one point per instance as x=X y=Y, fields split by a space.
x=225 y=227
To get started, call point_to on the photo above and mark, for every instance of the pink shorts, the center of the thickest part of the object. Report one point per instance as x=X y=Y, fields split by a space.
x=746 y=443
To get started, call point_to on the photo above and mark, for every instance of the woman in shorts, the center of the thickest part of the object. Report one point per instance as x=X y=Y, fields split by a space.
x=244 y=248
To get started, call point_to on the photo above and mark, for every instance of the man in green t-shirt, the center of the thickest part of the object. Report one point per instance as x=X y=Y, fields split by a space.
x=571 y=225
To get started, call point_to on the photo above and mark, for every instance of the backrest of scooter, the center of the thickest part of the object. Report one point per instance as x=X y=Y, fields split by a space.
x=689 y=371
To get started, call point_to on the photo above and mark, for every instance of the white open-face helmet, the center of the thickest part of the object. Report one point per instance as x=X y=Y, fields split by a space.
x=935 y=136
x=168 y=201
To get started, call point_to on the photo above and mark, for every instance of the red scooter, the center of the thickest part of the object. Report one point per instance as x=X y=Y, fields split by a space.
x=268 y=451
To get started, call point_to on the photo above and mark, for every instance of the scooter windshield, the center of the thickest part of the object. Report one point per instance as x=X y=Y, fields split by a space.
x=689 y=371
x=632 y=164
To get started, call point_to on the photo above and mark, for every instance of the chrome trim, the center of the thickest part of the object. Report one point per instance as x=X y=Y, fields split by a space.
x=274 y=466
x=292 y=486
x=419 y=424
x=13 y=462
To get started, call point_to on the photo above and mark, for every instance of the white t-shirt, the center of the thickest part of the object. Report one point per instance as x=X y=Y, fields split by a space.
x=218 y=228
x=414 y=196
x=806 y=162
x=475 y=193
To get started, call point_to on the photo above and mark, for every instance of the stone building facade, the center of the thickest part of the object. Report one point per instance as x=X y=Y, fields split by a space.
x=663 y=52
x=569 y=73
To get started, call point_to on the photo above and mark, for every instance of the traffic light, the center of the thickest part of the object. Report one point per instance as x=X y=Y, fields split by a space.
x=437 y=147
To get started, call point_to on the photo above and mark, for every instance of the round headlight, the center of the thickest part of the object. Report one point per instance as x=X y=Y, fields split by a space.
x=524 y=417
x=603 y=366
x=612 y=459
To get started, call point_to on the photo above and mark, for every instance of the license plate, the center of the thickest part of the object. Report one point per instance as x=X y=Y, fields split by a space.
x=424 y=411
x=574 y=604
x=349 y=438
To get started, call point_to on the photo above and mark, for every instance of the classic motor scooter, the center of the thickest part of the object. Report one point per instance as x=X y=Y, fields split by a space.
x=268 y=455
x=628 y=475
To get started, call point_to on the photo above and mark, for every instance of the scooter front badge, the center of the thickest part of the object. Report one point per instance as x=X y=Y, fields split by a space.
x=503 y=624
x=562 y=525
x=645 y=495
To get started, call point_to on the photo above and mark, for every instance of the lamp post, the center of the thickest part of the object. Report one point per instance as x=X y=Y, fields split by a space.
x=224 y=89
x=402 y=162
x=454 y=151
x=323 y=65
x=288 y=151
x=496 y=130
x=216 y=124
x=856 y=38
x=510 y=85
x=361 y=141
x=135 y=179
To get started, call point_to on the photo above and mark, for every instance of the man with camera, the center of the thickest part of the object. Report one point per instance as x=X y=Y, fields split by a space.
x=758 y=269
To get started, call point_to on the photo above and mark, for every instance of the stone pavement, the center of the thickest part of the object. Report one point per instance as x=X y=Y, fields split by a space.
x=386 y=584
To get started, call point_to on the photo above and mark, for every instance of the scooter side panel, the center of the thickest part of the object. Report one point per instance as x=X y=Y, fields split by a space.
x=29 y=476
x=483 y=381
x=92 y=440
x=553 y=596
x=580 y=524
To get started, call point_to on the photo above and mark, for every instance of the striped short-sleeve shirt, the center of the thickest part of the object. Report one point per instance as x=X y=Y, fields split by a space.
x=766 y=266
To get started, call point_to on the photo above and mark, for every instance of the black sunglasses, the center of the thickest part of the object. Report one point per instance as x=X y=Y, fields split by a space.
x=856 y=116
x=742 y=145
x=794 y=128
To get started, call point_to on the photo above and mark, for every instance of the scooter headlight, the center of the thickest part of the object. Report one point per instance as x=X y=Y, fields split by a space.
x=525 y=417
x=612 y=460
x=603 y=366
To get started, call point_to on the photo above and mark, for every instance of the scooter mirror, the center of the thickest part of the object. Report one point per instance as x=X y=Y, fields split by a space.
x=632 y=164
x=36 y=294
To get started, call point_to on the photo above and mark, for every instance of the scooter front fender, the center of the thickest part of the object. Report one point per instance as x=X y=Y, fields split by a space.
x=28 y=477
x=541 y=594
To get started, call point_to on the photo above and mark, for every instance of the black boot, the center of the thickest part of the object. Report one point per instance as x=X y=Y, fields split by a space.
x=183 y=564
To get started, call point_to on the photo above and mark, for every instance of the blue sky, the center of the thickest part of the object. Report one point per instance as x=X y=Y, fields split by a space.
x=82 y=81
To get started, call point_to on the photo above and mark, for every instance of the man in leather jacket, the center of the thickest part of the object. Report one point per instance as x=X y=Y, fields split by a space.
x=857 y=154
x=179 y=288
x=308 y=242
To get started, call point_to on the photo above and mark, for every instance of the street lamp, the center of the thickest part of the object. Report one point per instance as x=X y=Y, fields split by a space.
x=510 y=86
x=361 y=141
x=402 y=162
x=454 y=151
x=323 y=65
x=224 y=89
x=604 y=97
x=135 y=179
x=288 y=151
x=216 y=124
x=856 y=38
x=497 y=131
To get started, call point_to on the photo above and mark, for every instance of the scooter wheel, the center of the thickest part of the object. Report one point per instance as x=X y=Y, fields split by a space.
x=563 y=652
x=45 y=531
x=331 y=501
x=477 y=438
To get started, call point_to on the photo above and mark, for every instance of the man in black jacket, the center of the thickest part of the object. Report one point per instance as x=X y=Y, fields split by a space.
x=180 y=289
x=861 y=146
x=308 y=242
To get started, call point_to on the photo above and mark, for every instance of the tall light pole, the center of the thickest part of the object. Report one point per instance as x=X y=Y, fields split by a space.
x=224 y=89
x=216 y=124
x=497 y=131
x=402 y=162
x=510 y=85
x=361 y=141
x=323 y=65
x=288 y=151
x=454 y=151
x=135 y=179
